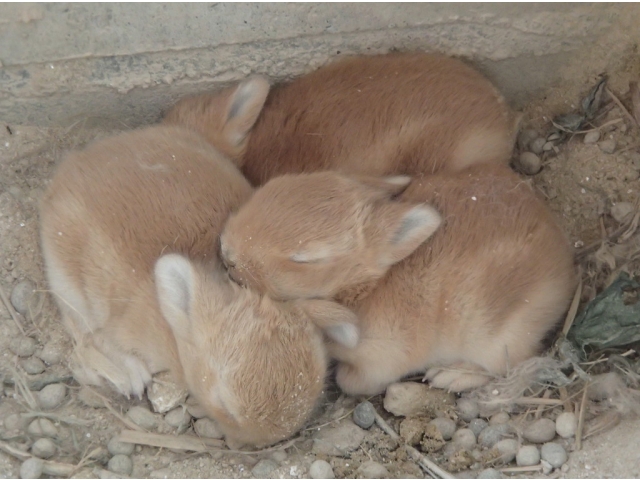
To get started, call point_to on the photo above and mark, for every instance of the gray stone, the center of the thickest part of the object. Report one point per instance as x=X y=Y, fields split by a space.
x=527 y=456
x=529 y=163
x=608 y=146
x=32 y=365
x=465 y=438
x=264 y=468
x=407 y=399
x=546 y=467
x=526 y=137
x=566 y=424
x=554 y=453
x=592 y=137
x=43 y=448
x=338 y=441
x=205 y=427
x=371 y=469
x=477 y=425
x=489 y=473
x=622 y=211
x=493 y=434
x=508 y=447
x=499 y=418
x=364 y=415
x=31 y=468
x=21 y=295
x=23 y=346
x=321 y=469
x=164 y=394
x=51 y=353
x=279 y=456
x=121 y=464
x=178 y=418
x=116 y=447
x=142 y=417
x=15 y=421
x=537 y=145
x=42 y=427
x=445 y=426
x=467 y=409
x=540 y=431
x=52 y=396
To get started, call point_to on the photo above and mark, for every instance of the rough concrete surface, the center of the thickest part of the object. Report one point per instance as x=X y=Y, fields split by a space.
x=61 y=63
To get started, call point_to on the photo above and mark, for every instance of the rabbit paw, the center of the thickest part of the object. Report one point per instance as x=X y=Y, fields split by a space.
x=457 y=378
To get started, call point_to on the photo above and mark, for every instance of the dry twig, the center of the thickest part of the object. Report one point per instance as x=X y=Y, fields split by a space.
x=583 y=408
x=174 y=442
x=622 y=107
x=573 y=309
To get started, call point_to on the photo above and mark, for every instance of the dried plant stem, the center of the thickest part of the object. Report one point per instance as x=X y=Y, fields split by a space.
x=115 y=413
x=179 y=442
x=12 y=311
x=573 y=309
x=429 y=466
x=537 y=401
x=532 y=468
x=622 y=107
x=583 y=408
x=595 y=245
x=611 y=122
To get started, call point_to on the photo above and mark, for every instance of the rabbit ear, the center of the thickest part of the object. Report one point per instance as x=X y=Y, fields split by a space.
x=243 y=109
x=337 y=322
x=386 y=186
x=175 y=281
x=404 y=227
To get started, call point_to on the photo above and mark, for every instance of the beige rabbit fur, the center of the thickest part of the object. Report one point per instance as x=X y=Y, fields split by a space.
x=400 y=113
x=478 y=296
x=129 y=233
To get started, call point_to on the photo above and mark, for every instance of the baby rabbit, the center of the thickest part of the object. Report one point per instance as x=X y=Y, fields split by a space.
x=129 y=234
x=400 y=113
x=495 y=276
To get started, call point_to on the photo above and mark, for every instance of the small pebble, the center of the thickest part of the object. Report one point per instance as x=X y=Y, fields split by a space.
x=364 y=415
x=142 y=417
x=23 y=346
x=32 y=365
x=508 y=447
x=121 y=464
x=592 y=137
x=465 y=438
x=477 y=425
x=116 y=447
x=371 y=469
x=540 y=431
x=553 y=453
x=42 y=427
x=546 y=467
x=621 y=211
x=31 y=468
x=338 y=441
x=608 y=146
x=548 y=146
x=489 y=473
x=20 y=296
x=527 y=456
x=566 y=424
x=526 y=137
x=493 y=434
x=205 y=427
x=406 y=399
x=279 y=456
x=499 y=418
x=15 y=421
x=445 y=426
x=264 y=468
x=43 y=448
x=52 y=396
x=178 y=418
x=529 y=163
x=467 y=409
x=51 y=353
x=537 y=145
x=321 y=469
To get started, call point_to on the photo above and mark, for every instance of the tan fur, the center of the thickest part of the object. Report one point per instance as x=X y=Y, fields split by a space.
x=401 y=113
x=129 y=232
x=479 y=295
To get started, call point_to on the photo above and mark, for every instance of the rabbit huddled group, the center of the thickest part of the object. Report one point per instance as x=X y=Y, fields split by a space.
x=386 y=232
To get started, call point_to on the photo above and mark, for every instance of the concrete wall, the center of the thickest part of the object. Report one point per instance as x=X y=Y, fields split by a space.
x=61 y=63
